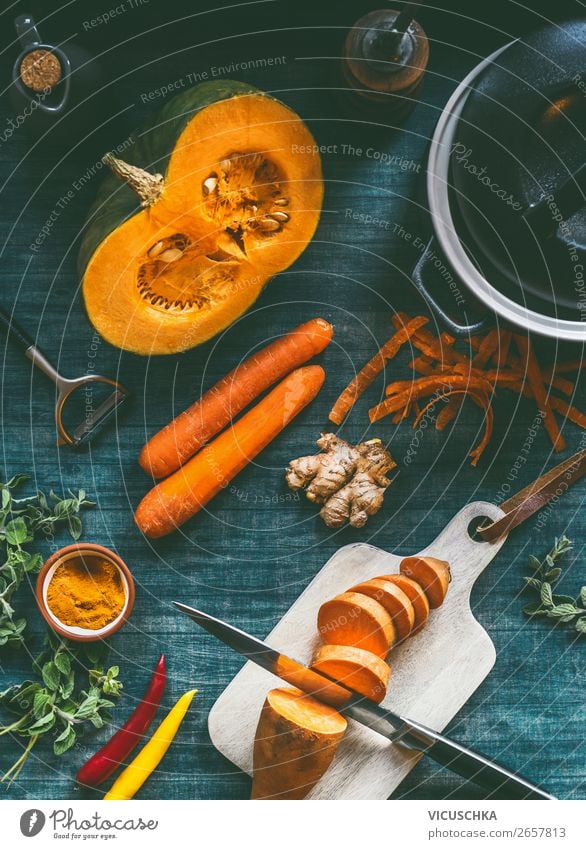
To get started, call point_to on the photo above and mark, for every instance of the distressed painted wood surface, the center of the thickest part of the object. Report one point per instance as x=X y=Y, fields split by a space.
x=250 y=555
x=433 y=674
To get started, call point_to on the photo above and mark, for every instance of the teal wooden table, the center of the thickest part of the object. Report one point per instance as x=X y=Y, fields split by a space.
x=249 y=555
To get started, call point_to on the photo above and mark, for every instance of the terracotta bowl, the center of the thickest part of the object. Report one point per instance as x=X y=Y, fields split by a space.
x=83 y=549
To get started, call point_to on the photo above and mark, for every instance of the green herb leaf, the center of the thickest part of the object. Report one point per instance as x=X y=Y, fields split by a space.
x=16 y=532
x=87 y=708
x=561 y=609
x=546 y=594
x=17 y=480
x=50 y=675
x=553 y=574
x=63 y=662
x=75 y=527
x=65 y=740
x=40 y=702
x=56 y=707
x=564 y=610
x=67 y=685
x=41 y=726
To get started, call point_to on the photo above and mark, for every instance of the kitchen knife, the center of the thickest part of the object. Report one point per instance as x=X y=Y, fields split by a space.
x=470 y=765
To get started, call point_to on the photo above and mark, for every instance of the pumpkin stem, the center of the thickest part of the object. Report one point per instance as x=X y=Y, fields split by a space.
x=146 y=185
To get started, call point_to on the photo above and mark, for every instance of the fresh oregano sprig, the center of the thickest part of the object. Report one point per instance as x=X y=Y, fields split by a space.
x=74 y=692
x=24 y=521
x=561 y=608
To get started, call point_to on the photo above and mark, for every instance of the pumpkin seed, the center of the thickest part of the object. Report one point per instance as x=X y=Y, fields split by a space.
x=280 y=216
x=156 y=249
x=282 y=202
x=170 y=255
x=226 y=165
x=209 y=185
x=269 y=224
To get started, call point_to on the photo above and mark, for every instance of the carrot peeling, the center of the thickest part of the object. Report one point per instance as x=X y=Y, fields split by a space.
x=568 y=411
x=423 y=387
x=372 y=369
x=440 y=371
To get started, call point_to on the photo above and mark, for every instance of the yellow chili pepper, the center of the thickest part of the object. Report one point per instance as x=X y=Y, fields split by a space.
x=150 y=756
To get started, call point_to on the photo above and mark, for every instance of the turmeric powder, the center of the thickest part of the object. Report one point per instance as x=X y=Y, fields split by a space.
x=86 y=593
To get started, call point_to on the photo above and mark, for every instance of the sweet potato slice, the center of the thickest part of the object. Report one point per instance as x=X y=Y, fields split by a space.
x=394 y=600
x=359 y=670
x=356 y=620
x=416 y=596
x=295 y=742
x=432 y=575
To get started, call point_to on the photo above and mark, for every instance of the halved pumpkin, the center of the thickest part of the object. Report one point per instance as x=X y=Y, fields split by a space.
x=238 y=200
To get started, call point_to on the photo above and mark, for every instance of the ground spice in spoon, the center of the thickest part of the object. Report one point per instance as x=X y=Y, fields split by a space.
x=40 y=70
x=86 y=593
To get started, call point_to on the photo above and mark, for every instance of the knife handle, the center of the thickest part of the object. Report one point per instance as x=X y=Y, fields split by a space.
x=472 y=766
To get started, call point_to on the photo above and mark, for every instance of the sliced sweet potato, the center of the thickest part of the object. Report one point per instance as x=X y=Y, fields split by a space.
x=394 y=600
x=356 y=620
x=416 y=596
x=357 y=669
x=295 y=742
x=432 y=575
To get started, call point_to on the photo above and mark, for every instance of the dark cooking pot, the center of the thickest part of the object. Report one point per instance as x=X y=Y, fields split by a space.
x=506 y=189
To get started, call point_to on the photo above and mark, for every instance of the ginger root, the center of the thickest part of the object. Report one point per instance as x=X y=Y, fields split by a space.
x=348 y=480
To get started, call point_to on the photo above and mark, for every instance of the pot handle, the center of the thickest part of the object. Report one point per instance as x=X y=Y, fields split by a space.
x=418 y=278
x=26 y=31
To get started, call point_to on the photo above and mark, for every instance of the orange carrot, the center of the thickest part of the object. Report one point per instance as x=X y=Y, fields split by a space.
x=373 y=367
x=176 y=499
x=536 y=384
x=168 y=449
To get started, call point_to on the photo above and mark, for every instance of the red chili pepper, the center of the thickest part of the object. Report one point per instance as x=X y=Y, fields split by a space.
x=115 y=751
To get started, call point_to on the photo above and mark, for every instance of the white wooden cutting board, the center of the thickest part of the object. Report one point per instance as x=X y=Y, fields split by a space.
x=433 y=673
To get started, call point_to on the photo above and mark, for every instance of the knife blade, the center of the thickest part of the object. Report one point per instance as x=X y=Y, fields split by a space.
x=501 y=782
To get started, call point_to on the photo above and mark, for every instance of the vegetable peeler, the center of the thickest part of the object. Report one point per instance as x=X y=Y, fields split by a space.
x=94 y=418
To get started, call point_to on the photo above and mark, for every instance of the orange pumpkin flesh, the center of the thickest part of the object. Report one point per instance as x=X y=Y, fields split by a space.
x=237 y=205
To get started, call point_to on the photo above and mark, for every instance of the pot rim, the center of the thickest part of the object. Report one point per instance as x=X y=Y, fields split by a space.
x=67 y=631
x=437 y=185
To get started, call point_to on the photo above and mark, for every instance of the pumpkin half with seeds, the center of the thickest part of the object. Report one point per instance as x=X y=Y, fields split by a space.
x=221 y=192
